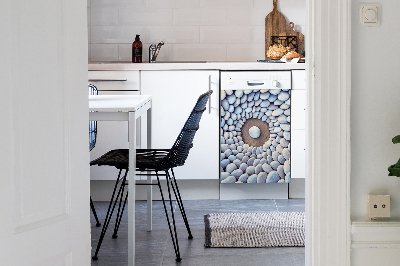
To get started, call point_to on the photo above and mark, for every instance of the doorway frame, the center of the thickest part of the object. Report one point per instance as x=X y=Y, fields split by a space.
x=328 y=163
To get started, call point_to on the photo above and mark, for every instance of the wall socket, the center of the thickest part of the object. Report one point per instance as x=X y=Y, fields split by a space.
x=378 y=206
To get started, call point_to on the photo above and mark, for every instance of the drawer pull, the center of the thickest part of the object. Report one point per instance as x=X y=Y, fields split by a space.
x=254 y=83
x=100 y=80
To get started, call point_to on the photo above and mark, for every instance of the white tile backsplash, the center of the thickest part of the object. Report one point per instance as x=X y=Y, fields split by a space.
x=115 y=34
x=192 y=30
x=199 y=16
x=104 y=16
x=103 y=52
x=172 y=3
x=145 y=17
x=173 y=34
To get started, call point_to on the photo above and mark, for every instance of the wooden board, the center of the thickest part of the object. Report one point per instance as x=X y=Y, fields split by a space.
x=292 y=32
x=275 y=23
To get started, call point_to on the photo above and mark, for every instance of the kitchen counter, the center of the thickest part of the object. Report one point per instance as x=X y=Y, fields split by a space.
x=195 y=66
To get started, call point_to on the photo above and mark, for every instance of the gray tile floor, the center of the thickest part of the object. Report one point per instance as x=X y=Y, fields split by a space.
x=155 y=248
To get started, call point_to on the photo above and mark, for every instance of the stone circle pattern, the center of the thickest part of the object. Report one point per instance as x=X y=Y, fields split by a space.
x=268 y=163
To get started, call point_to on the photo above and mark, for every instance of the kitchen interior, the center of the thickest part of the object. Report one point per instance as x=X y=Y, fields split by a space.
x=249 y=152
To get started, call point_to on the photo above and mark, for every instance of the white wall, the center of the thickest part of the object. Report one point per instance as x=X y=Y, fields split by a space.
x=375 y=108
x=193 y=30
x=375 y=120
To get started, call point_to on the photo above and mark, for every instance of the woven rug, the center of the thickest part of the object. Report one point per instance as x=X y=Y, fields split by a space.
x=238 y=230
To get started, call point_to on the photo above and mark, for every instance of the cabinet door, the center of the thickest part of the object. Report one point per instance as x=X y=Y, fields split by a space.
x=174 y=96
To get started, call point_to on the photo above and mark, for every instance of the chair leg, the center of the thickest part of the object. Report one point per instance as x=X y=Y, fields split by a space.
x=180 y=203
x=120 y=212
x=174 y=239
x=94 y=213
x=109 y=213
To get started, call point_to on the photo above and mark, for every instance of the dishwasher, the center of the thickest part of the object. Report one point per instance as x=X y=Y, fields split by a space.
x=255 y=127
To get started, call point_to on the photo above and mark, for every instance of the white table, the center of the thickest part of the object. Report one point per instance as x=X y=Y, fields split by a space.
x=127 y=108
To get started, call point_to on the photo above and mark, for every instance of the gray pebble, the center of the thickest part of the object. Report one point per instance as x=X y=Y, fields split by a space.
x=243 y=178
x=266 y=167
x=286 y=167
x=259 y=169
x=232 y=158
x=261 y=177
x=283 y=96
x=279 y=148
x=224 y=175
x=281 y=159
x=250 y=170
x=265 y=104
x=239 y=156
x=224 y=147
x=256 y=96
x=273 y=177
x=229 y=92
x=229 y=141
x=286 y=135
x=286 y=153
x=231 y=167
x=264 y=96
x=285 y=106
x=273 y=164
x=247 y=91
x=243 y=167
x=237 y=173
x=275 y=91
x=225 y=105
x=223 y=95
x=275 y=155
x=250 y=97
x=234 y=152
x=228 y=153
x=229 y=180
x=263 y=160
x=231 y=108
x=256 y=162
x=238 y=93
x=238 y=110
x=278 y=102
x=250 y=161
x=272 y=98
x=272 y=107
x=252 y=179
x=269 y=159
x=287 y=112
x=285 y=127
x=222 y=156
x=277 y=112
x=231 y=99
x=245 y=159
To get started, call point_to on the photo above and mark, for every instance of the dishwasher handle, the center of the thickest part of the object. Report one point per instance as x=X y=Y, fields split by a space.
x=249 y=83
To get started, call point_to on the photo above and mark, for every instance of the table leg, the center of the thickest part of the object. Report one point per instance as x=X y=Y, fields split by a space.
x=132 y=190
x=149 y=178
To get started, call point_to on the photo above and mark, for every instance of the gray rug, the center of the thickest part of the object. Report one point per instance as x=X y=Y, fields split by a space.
x=271 y=229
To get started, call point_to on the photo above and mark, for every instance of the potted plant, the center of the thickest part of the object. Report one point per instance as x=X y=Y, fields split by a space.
x=394 y=170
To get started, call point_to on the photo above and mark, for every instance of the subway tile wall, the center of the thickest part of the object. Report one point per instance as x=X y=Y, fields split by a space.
x=192 y=30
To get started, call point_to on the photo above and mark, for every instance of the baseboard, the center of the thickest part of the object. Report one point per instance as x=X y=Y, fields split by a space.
x=375 y=242
x=101 y=190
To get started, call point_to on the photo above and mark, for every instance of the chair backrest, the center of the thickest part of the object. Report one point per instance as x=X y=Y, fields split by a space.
x=180 y=150
x=92 y=124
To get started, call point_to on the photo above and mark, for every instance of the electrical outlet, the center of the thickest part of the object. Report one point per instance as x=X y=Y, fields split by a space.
x=378 y=206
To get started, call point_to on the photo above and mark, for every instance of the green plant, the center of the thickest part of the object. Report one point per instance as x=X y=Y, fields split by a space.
x=394 y=170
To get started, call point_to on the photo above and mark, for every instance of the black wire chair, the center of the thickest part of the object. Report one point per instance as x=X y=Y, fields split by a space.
x=92 y=143
x=149 y=161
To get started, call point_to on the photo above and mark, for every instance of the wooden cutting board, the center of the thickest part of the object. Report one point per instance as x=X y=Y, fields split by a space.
x=299 y=36
x=275 y=23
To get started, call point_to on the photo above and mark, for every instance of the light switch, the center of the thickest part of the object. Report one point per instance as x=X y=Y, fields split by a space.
x=369 y=14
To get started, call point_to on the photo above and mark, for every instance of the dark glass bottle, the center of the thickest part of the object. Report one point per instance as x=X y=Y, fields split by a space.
x=137 y=50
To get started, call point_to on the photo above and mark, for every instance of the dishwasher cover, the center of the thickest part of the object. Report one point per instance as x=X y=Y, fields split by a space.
x=255 y=129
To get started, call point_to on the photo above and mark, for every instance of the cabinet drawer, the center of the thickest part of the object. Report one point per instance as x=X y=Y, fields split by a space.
x=115 y=80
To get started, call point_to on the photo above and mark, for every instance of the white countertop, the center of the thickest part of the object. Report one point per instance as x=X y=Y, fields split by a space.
x=196 y=66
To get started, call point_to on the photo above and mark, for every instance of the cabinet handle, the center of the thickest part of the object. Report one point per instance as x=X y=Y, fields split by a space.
x=100 y=80
x=209 y=89
x=254 y=83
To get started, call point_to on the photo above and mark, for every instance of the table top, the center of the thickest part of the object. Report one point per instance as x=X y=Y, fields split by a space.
x=117 y=103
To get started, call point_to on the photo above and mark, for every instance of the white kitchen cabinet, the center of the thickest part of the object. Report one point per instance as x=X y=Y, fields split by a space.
x=112 y=134
x=174 y=96
x=298 y=124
